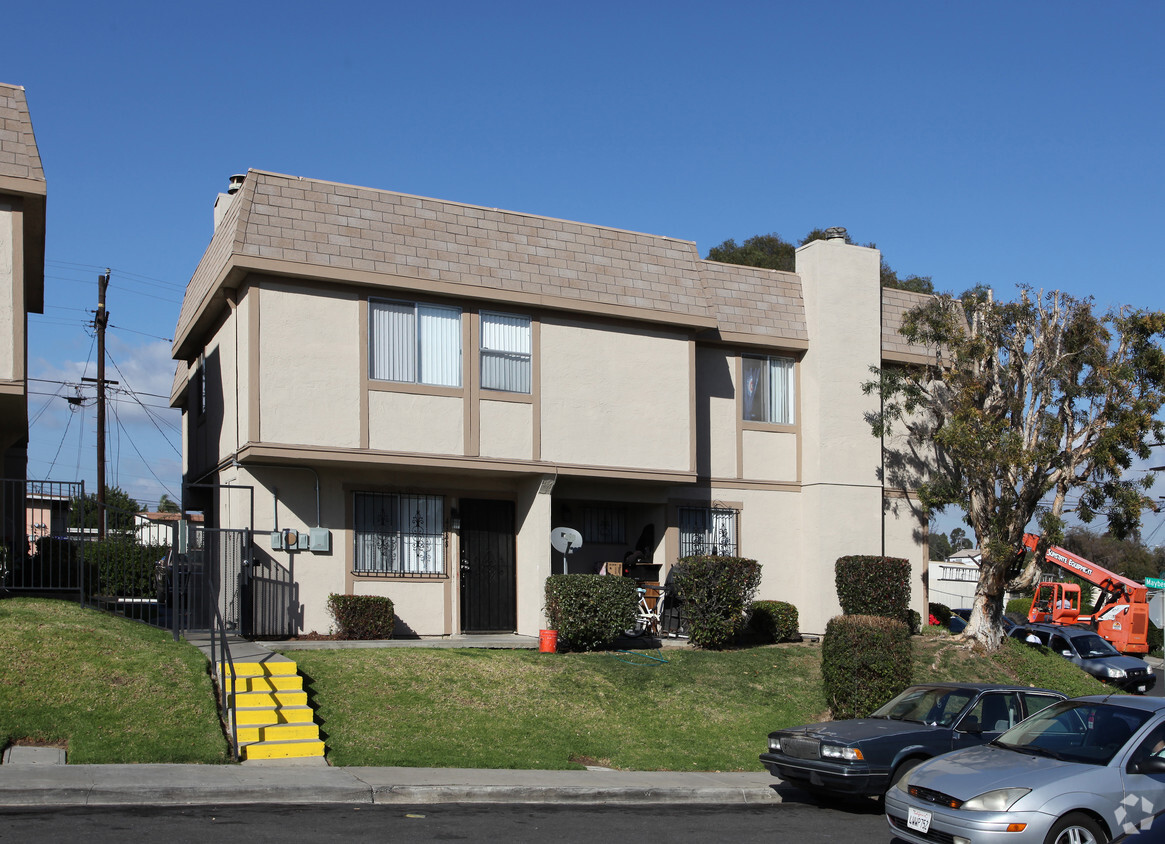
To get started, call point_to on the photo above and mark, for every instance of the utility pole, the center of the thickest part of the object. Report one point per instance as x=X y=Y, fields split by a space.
x=100 y=320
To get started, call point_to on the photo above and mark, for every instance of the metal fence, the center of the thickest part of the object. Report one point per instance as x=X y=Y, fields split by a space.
x=41 y=551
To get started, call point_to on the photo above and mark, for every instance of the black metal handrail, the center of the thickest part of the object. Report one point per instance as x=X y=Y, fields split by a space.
x=226 y=685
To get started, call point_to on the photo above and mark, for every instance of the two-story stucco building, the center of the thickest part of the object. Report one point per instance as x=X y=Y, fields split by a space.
x=22 y=247
x=422 y=390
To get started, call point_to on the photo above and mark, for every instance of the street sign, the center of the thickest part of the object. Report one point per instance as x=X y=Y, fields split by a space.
x=1154 y=583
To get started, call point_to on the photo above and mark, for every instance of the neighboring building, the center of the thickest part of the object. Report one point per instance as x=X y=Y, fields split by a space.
x=22 y=245
x=158 y=528
x=952 y=582
x=422 y=390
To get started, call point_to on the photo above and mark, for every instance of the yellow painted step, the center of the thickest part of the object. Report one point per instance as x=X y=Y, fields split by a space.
x=278 y=682
x=261 y=715
x=282 y=749
x=263 y=669
x=279 y=732
x=275 y=698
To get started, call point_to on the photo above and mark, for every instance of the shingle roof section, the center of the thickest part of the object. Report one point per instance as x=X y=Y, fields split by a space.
x=895 y=304
x=343 y=228
x=753 y=301
x=19 y=156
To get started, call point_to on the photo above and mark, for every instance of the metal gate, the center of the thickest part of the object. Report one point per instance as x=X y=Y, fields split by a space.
x=209 y=573
x=41 y=536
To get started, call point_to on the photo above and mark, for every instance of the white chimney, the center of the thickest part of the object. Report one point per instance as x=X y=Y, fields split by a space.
x=224 y=200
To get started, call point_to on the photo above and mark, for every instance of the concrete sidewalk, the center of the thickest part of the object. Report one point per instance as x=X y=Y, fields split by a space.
x=24 y=782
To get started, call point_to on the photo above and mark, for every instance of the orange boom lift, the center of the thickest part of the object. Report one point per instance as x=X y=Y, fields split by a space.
x=1121 y=613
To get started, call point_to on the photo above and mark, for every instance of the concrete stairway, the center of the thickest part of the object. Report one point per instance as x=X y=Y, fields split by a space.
x=272 y=716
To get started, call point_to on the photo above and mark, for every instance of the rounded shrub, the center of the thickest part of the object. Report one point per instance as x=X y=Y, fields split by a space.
x=716 y=592
x=589 y=611
x=1018 y=606
x=774 y=621
x=865 y=661
x=362 y=616
x=941 y=612
x=873 y=586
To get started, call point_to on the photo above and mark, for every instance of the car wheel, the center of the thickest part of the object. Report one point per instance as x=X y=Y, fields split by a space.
x=1076 y=828
x=903 y=769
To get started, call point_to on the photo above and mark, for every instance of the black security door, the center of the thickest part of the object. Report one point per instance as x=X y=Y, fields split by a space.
x=488 y=583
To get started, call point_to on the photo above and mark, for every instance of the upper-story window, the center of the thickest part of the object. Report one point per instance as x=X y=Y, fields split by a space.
x=414 y=343
x=768 y=389
x=505 y=352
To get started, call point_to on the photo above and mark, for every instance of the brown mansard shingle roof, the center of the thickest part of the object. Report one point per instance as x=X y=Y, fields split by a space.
x=293 y=226
x=895 y=304
x=19 y=156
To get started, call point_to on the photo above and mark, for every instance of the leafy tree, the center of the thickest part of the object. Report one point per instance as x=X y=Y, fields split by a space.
x=1021 y=404
x=773 y=252
x=120 y=506
x=167 y=505
x=959 y=540
x=940 y=546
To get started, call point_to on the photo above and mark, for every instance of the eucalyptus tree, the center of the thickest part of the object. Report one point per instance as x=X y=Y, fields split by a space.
x=1020 y=405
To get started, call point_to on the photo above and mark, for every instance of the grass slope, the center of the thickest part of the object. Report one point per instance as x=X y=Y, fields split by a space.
x=512 y=709
x=111 y=690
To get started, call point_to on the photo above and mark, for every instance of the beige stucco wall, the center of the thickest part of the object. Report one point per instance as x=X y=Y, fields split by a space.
x=615 y=397
x=11 y=325
x=770 y=455
x=416 y=422
x=533 y=555
x=309 y=385
x=507 y=429
x=418 y=605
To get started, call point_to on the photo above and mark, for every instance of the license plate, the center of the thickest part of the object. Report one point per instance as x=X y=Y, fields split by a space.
x=1141 y=689
x=918 y=820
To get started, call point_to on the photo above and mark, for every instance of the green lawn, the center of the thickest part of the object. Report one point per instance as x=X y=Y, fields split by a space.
x=117 y=691
x=109 y=689
x=699 y=711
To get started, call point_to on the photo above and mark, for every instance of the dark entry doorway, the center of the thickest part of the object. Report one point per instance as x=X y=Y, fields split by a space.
x=488 y=582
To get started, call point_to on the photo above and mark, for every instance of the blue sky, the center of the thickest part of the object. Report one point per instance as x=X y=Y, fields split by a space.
x=992 y=142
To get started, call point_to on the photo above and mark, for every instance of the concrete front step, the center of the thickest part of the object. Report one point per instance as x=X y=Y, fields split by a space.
x=278 y=682
x=281 y=749
x=279 y=732
x=272 y=718
x=277 y=698
x=250 y=716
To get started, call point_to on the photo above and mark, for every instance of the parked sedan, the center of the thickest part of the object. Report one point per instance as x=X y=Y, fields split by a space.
x=867 y=755
x=1092 y=653
x=1080 y=772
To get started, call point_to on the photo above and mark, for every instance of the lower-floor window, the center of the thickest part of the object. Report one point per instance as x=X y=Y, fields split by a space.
x=399 y=534
x=707 y=531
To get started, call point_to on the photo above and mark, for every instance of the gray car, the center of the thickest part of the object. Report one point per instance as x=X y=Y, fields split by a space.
x=1098 y=657
x=1082 y=771
x=866 y=755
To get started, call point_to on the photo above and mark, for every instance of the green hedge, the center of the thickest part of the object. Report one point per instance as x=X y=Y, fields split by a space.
x=865 y=661
x=941 y=612
x=716 y=592
x=590 y=611
x=873 y=586
x=362 y=616
x=1018 y=606
x=118 y=566
x=774 y=621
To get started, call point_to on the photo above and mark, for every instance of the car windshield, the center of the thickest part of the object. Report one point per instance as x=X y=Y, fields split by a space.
x=1091 y=646
x=927 y=705
x=1075 y=731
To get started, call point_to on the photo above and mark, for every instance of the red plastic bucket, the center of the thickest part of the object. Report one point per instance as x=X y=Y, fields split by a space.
x=547 y=641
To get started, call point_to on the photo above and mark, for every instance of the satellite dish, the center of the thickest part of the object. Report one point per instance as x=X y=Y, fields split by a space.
x=566 y=541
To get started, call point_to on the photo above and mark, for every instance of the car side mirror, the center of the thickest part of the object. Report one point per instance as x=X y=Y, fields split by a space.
x=1148 y=765
x=971 y=724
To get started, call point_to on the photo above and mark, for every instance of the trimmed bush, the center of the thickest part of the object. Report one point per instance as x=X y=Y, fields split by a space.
x=873 y=586
x=1018 y=606
x=590 y=611
x=865 y=661
x=774 y=621
x=716 y=592
x=119 y=567
x=941 y=612
x=362 y=616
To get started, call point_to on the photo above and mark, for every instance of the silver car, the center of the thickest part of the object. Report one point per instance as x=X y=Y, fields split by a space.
x=1082 y=771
